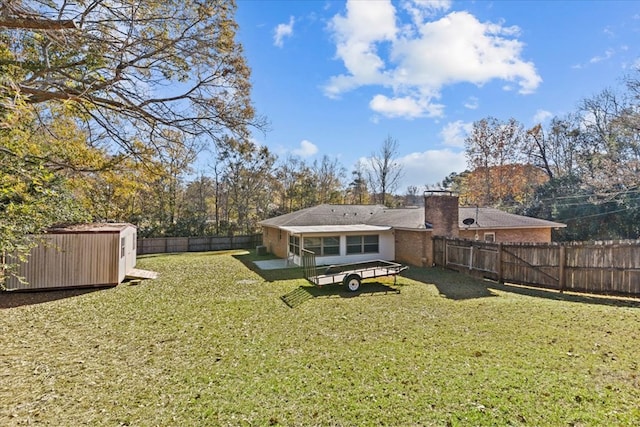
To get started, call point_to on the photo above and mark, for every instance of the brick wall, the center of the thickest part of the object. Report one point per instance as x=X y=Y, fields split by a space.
x=414 y=247
x=276 y=241
x=530 y=235
x=441 y=211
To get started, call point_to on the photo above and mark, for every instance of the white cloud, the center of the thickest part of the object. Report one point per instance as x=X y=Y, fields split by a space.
x=430 y=167
x=599 y=58
x=541 y=116
x=472 y=103
x=282 y=31
x=609 y=53
x=307 y=149
x=419 y=10
x=356 y=35
x=406 y=107
x=459 y=48
x=454 y=133
x=423 y=56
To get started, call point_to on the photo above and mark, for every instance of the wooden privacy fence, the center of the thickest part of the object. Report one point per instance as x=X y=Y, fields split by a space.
x=157 y=245
x=611 y=268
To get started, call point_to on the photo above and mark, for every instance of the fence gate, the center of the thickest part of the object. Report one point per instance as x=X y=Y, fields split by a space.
x=475 y=256
x=610 y=267
x=515 y=263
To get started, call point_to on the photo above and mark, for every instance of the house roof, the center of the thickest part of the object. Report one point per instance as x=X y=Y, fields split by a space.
x=359 y=217
x=326 y=215
x=495 y=218
x=302 y=229
x=399 y=218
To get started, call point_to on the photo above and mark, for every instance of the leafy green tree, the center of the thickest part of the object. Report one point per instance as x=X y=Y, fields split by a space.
x=123 y=78
x=247 y=177
x=32 y=196
x=328 y=176
x=294 y=185
x=357 y=191
x=197 y=217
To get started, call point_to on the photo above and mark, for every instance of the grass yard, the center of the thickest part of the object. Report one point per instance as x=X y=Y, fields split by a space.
x=211 y=342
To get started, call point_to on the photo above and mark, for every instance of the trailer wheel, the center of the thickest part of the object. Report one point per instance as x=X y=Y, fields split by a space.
x=352 y=282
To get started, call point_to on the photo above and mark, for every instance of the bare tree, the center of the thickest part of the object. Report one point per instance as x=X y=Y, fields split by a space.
x=129 y=70
x=385 y=171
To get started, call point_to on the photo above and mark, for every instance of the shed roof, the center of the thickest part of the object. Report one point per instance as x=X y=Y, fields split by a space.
x=102 y=227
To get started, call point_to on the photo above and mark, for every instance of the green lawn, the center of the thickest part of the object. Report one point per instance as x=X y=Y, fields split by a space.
x=211 y=342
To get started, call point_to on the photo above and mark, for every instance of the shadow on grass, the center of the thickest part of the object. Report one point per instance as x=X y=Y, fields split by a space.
x=457 y=286
x=13 y=299
x=249 y=257
x=305 y=293
x=450 y=284
x=233 y=252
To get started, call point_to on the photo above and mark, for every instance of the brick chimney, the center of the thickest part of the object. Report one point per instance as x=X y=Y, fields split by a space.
x=441 y=213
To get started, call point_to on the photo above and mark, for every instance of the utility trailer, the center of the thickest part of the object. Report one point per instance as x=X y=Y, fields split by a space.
x=350 y=275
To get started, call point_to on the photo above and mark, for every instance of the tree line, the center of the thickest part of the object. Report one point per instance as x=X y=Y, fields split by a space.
x=582 y=169
x=105 y=106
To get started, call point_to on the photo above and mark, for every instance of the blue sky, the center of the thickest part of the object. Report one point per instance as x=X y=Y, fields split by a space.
x=336 y=78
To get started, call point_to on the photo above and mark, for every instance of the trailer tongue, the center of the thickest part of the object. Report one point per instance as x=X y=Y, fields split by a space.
x=350 y=275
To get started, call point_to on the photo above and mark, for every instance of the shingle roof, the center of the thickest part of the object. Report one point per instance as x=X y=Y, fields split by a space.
x=326 y=215
x=399 y=218
x=110 y=227
x=412 y=218
x=495 y=218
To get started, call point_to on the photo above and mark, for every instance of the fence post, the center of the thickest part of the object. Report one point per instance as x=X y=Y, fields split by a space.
x=499 y=263
x=446 y=252
x=561 y=266
x=434 y=242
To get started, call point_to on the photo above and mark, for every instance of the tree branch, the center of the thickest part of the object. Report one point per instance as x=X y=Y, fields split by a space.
x=37 y=24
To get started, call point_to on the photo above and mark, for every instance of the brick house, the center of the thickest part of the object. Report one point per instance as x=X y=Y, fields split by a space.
x=352 y=233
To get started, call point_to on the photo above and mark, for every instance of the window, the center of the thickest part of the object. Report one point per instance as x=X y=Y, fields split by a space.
x=489 y=237
x=323 y=246
x=331 y=245
x=294 y=244
x=123 y=247
x=363 y=244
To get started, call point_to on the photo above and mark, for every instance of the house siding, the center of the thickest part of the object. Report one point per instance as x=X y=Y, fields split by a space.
x=530 y=235
x=276 y=241
x=414 y=247
x=386 y=246
x=411 y=240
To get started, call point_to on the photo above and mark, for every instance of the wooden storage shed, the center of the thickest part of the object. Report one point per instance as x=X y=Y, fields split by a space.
x=84 y=255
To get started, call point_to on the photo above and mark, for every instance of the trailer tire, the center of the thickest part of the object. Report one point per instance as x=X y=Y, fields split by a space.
x=352 y=282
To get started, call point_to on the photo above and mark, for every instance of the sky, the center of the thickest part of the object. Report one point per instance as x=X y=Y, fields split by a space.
x=337 y=78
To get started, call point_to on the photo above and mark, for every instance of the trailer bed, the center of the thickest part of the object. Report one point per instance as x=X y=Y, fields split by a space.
x=366 y=270
x=348 y=274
